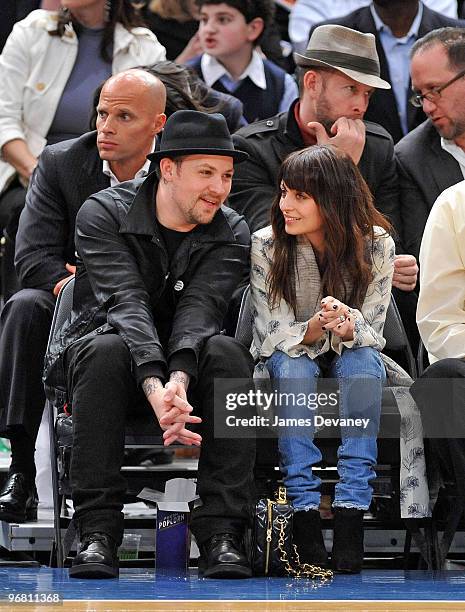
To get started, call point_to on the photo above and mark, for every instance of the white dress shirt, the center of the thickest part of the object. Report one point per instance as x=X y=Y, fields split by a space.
x=457 y=153
x=441 y=304
x=106 y=169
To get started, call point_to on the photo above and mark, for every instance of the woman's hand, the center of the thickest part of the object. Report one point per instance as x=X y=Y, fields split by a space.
x=17 y=153
x=337 y=317
x=314 y=331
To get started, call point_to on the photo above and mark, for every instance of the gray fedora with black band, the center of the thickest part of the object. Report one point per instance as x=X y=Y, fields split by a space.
x=352 y=53
x=189 y=132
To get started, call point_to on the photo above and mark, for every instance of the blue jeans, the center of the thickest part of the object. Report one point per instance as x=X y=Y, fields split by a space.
x=360 y=374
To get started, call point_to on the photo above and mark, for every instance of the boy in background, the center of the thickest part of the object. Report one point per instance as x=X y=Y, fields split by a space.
x=229 y=33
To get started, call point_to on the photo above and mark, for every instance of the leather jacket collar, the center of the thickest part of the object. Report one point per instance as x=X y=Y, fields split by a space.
x=292 y=130
x=140 y=218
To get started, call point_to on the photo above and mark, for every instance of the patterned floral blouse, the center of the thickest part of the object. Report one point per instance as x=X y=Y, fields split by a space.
x=278 y=330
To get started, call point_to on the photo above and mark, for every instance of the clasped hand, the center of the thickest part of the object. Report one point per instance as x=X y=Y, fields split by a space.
x=337 y=317
x=173 y=412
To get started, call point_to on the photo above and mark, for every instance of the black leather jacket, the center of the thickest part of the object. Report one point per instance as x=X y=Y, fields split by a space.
x=123 y=269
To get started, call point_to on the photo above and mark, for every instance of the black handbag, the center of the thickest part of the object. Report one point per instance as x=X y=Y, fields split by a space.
x=273 y=551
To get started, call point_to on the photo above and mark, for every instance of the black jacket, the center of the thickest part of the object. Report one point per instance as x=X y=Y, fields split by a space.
x=125 y=270
x=383 y=107
x=67 y=174
x=269 y=141
x=425 y=170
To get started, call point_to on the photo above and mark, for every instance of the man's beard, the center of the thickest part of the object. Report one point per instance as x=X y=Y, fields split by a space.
x=323 y=114
x=198 y=217
x=455 y=130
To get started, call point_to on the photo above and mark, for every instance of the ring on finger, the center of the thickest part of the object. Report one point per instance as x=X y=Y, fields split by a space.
x=342 y=318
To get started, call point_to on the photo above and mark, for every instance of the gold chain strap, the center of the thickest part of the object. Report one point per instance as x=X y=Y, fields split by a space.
x=293 y=566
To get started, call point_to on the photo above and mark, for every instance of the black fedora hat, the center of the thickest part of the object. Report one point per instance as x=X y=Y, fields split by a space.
x=189 y=132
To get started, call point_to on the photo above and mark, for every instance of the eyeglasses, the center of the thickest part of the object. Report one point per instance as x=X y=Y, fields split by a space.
x=433 y=94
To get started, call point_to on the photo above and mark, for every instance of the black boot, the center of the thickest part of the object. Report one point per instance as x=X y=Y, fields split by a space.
x=308 y=538
x=347 y=557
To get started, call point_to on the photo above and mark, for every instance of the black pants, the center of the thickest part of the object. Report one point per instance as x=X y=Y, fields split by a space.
x=440 y=396
x=25 y=326
x=103 y=392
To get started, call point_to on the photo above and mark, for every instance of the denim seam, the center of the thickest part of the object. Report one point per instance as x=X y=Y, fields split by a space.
x=306 y=508
x=349 y=505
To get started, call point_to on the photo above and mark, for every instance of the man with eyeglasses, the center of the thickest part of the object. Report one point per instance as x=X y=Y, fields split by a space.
x=397 y=25
x=432 y=157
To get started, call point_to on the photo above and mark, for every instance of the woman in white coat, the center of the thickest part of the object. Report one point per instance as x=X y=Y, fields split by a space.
x=50 y=66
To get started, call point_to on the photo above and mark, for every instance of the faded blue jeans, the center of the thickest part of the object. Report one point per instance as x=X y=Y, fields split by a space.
x=360 y=374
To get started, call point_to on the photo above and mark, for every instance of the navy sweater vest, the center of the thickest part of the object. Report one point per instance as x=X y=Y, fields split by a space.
x=258 y=103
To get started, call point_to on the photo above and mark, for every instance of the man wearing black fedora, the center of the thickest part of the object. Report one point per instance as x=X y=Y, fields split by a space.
x=158 y=261
x=338 y=73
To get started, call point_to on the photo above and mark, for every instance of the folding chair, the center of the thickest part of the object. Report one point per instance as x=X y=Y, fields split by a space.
x=63 y=308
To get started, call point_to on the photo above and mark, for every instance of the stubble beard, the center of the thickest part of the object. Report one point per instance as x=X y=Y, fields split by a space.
x=454 y=131
x=197 y=217
x=323 y=114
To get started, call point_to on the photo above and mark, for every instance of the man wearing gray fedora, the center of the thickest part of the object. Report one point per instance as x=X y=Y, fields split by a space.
x=396 y=25
x=338 y=73
x=158 y=260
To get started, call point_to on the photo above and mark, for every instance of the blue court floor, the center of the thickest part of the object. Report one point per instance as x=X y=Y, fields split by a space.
x=143 y=585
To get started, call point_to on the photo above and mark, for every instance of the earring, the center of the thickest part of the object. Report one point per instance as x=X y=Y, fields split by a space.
x=107 y=11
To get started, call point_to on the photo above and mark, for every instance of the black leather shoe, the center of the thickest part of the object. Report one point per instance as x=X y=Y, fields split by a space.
x=223 y=556
x=97 y=558
x=18 y=499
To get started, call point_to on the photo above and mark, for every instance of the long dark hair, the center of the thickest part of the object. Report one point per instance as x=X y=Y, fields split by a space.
x=120 y=11
x=346 y=206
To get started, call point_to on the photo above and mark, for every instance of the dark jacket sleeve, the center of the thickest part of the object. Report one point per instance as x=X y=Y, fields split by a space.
x=43 y=229
x=414 y=208
x=378 y=167
x=254 y=183
x=117 y=284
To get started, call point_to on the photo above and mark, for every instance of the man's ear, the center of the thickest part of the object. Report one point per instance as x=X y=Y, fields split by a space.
x=255 y=28
x=159 y=123
x=166 y=168
x=312 y=82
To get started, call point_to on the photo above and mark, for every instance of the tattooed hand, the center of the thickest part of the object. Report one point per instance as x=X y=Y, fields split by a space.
x=172 y=409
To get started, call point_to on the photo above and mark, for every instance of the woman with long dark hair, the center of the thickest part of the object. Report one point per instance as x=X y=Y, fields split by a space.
x=321 y=280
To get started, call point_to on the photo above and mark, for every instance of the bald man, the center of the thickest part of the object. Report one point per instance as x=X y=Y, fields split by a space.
x=130 y=115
